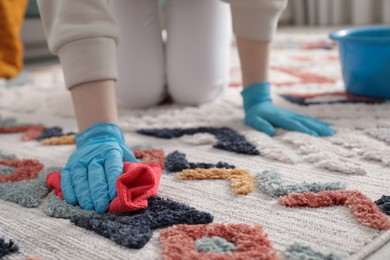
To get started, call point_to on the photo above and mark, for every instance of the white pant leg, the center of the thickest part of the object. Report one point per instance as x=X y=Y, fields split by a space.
x=141 y=81
x=198 y=49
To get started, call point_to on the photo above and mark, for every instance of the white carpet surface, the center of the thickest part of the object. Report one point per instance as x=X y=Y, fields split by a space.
x=353 y=156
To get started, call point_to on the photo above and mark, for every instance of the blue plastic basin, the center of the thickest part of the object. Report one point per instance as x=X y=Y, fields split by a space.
x=365 y=60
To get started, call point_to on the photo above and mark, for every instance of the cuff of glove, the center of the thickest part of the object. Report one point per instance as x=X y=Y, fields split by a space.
x=101 y=132
x=256 y=93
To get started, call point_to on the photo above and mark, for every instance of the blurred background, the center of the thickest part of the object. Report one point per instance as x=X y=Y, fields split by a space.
x=336 y=12
x=329 y=13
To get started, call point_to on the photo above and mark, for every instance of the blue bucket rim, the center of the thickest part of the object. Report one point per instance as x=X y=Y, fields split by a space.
x=347 y=34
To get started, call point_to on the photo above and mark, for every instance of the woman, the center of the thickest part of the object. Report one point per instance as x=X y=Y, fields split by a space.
x=192 y=68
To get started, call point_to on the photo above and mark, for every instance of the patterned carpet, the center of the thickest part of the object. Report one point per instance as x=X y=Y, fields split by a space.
x=329 y=223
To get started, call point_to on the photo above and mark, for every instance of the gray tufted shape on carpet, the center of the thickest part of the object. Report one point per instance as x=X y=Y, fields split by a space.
x=27 y=193
x=58 y=208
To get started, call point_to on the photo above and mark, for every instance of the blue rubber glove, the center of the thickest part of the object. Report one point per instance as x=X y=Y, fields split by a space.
x=89 y=176
x=262 y=115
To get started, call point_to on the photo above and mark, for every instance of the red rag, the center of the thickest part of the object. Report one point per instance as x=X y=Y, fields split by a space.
x=137 y=183
x=53 y=181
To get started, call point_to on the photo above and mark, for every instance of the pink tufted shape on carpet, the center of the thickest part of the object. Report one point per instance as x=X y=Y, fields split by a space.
x=251 y=242
x=32 y=133
x=151 y=156
x=363 y=208
x=26 y=169
x=134 y=187
x=304 y=77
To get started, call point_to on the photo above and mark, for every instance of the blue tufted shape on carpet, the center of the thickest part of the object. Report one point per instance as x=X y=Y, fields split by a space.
x=27 y=193
x=134 y=230
x=384 y=204
x=52 y=132
x=7 y=247
x=177 y=162
x=297 y=251
x=227 y=138
x=214 y=245
x=272 y=184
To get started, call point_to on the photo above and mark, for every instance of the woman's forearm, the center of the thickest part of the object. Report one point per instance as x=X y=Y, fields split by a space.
x=254 y=59
x=94 y=102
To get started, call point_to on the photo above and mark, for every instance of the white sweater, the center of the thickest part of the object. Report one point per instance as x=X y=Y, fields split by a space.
x=84 y=34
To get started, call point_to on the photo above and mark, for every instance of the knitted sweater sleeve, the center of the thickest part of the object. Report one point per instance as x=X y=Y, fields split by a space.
x=256 y=19
x=84 y=33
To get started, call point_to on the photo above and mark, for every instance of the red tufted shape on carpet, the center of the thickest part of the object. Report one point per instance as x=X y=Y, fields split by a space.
x=151 y=156
x=33 y=132
x=363 y=208
x=137 y=183
x=251 y=242
x=14 y=129
x=25 y=169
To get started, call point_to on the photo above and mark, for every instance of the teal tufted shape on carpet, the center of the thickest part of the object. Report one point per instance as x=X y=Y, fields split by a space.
x=6 y=169
x=6 y=156
x=272 y=184
x=214 y=245
x=9 y=121
x=297 y=251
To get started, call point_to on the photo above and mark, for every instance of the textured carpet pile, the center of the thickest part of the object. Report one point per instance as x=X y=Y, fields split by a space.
x=135 y=231
x=293 y=182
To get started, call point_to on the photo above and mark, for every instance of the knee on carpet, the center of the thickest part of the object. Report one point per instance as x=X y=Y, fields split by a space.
x=195 y=91
x=141 y=95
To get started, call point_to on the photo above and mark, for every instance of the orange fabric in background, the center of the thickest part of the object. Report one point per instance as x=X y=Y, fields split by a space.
x=11 y=48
